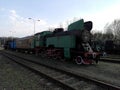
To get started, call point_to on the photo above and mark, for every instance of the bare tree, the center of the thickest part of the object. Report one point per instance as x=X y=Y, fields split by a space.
x=113 y=29
x=97 y=36
x=51 y=29
x=60 y=25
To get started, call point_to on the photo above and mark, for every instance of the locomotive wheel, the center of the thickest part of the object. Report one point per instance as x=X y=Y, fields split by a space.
x=78 y=60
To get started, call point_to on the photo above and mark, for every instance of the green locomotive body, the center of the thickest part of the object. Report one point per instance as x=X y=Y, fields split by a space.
x=70 y=44
x=65 y=42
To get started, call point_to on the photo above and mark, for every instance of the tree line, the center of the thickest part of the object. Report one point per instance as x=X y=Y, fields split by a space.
x=111 y=32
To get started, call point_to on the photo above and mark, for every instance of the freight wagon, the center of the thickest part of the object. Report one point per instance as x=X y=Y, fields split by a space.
x=25 y=44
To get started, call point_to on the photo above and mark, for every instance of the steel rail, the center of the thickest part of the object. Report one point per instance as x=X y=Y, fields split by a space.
x=98 y=82
x=110 y=60
x=65 y=86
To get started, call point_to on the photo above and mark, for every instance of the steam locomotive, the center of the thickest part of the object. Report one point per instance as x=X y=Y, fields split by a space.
x=73 y=44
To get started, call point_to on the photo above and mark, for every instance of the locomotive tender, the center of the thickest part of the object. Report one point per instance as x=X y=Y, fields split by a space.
x=73 y=44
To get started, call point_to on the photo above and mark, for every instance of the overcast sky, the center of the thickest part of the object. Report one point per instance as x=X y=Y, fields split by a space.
x=14 y=14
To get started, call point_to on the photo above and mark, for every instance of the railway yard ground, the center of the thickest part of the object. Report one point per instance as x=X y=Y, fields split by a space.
x=14 y=76
x=111 y=58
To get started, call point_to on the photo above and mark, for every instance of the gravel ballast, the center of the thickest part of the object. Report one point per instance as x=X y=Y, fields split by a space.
x=15 y=77
x=103 y=71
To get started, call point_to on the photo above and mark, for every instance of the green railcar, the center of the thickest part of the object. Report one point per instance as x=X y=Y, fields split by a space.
x=40 y=39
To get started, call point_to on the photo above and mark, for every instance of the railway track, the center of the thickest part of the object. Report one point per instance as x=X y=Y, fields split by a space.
x=65 y=79
x=112 y=60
